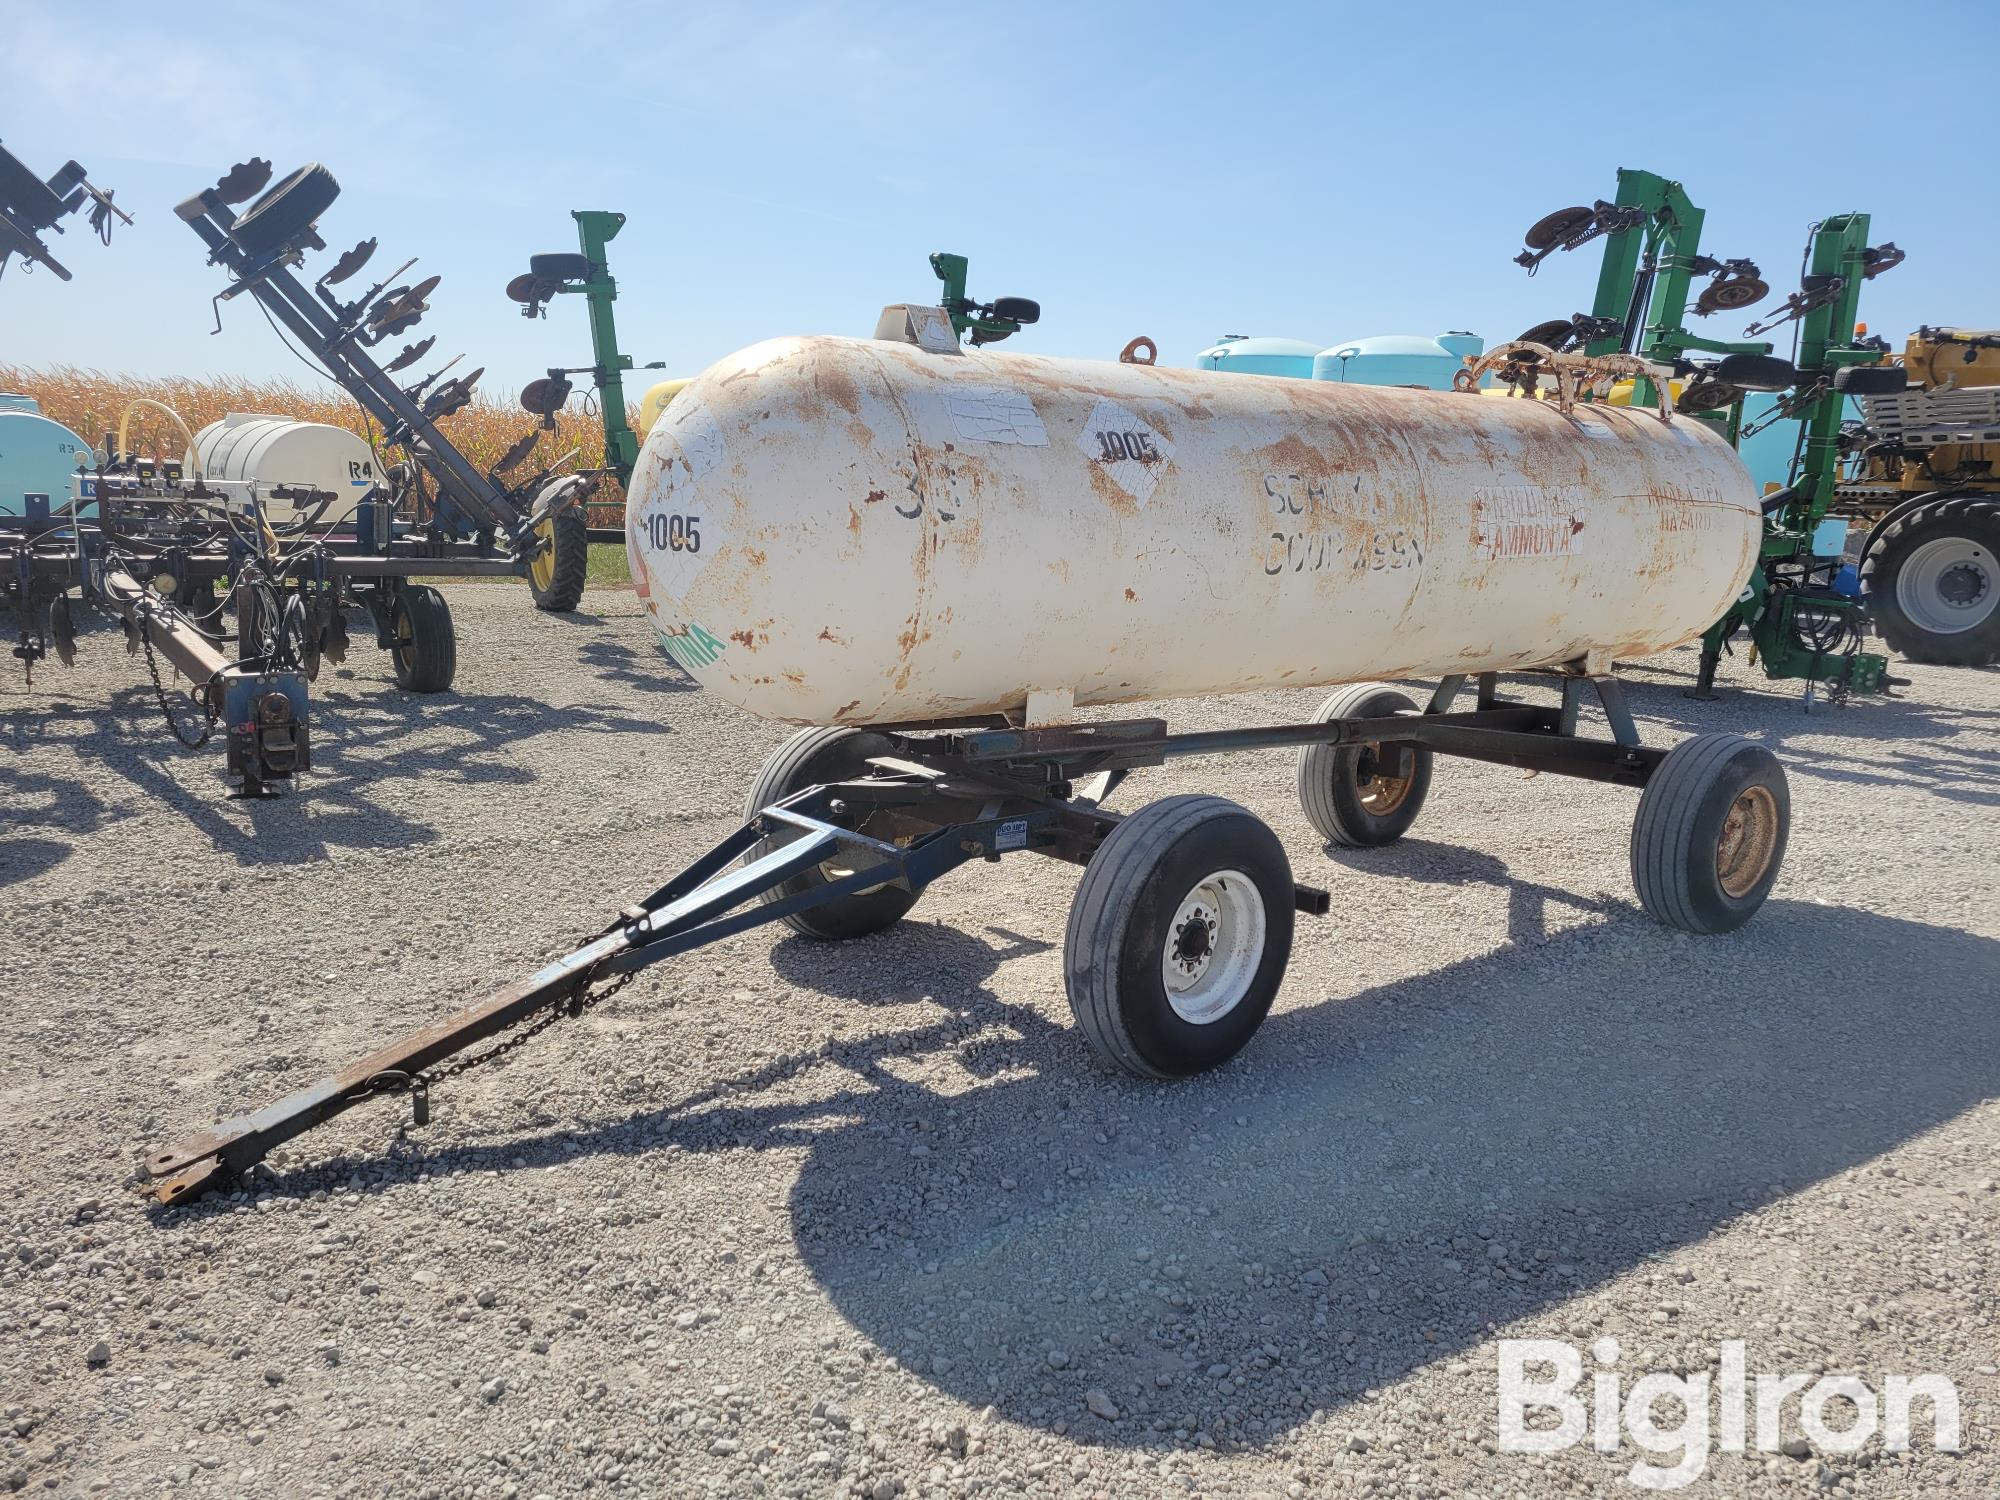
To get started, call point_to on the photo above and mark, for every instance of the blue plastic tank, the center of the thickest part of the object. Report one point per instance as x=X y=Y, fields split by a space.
x=1399 y=359
x=1260 y=356
x=37 y=456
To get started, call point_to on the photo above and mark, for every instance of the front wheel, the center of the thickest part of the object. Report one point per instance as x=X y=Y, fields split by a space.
x=1179 y=936
x=813 y=757
x=1710 y=833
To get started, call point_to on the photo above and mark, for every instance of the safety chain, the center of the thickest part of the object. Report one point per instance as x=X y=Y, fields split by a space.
x=573 y=1004
x=166 y=706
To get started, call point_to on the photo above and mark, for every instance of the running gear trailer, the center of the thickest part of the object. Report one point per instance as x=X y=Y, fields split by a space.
x=1182 y=924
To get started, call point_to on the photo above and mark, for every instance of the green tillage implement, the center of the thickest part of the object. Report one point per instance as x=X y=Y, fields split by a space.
x=594 y=230
x=1800 y=628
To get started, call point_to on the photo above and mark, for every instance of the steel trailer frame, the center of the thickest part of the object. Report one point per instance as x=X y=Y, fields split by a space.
x=974 y=790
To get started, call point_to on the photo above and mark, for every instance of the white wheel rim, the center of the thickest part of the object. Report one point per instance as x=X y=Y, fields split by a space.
x=1214 y=946
x=1948 y=586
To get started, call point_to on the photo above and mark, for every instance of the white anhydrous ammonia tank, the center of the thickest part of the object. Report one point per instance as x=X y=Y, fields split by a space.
x=844 y=531
x=274 y=452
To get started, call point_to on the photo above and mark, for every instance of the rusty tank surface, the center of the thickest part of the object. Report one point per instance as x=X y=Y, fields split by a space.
x=850 y=531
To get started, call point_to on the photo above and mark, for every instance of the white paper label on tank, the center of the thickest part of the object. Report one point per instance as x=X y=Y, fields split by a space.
x=935 y=335
x=983 y=415
x=1527 y=520
x=1131 y=453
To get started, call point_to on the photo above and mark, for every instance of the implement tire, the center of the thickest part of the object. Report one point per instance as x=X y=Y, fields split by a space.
x=285 y=211
x=557 y=573
x=423 y=646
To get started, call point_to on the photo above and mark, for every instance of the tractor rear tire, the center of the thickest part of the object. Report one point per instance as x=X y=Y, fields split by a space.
x=1930 y=579
x=1709 y=837
x=1342 y=788
x=556 y=576
x=423 y=648
x=810 y=758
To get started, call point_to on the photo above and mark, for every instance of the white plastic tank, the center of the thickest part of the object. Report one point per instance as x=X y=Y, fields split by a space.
x=281 y=452
x=856 y=531
x=37 y=455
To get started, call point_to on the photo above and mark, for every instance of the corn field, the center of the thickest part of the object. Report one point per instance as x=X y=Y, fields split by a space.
x=90 y=403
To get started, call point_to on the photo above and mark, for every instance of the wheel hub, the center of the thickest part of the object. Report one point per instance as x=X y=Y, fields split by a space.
x=1946 y=586
x=1962 y=584
x=1214 y=947
x=1749 y=839
x=1194 y=941
x=542 y=568
x=1380 y=793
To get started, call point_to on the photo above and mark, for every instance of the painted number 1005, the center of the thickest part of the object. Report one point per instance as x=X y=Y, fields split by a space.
x=674 y=533
x=1113 y=446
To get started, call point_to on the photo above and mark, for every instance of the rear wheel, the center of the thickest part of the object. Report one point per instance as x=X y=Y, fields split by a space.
x=1367 y=794
x=1710 y=834
x=422 y=644
x=556 y=574
x=810 y=758
x=1179 y=936
x=1931 y=581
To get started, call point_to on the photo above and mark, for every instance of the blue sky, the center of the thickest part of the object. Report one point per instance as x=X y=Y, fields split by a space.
x=1178 y=170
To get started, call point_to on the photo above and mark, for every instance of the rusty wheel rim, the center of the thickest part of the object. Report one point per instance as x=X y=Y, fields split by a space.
x=1749 y=839
x=1380 y=794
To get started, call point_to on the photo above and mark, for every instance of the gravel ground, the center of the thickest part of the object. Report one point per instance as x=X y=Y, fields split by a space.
x=868 y=1220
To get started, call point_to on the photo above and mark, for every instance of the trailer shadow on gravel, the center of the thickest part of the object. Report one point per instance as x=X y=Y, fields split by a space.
x=1381 y=1178
x=1386 y=1175
x=1379 y=1181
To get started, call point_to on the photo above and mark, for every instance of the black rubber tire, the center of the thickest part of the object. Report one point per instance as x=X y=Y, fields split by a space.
x=285 y=211
x=1678 y=831
x=1975 y=516
x=1129 y=895
x=559 y=265
x=425 y=651
x=570 y=545
x=808 y=758
x=1330 y=784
